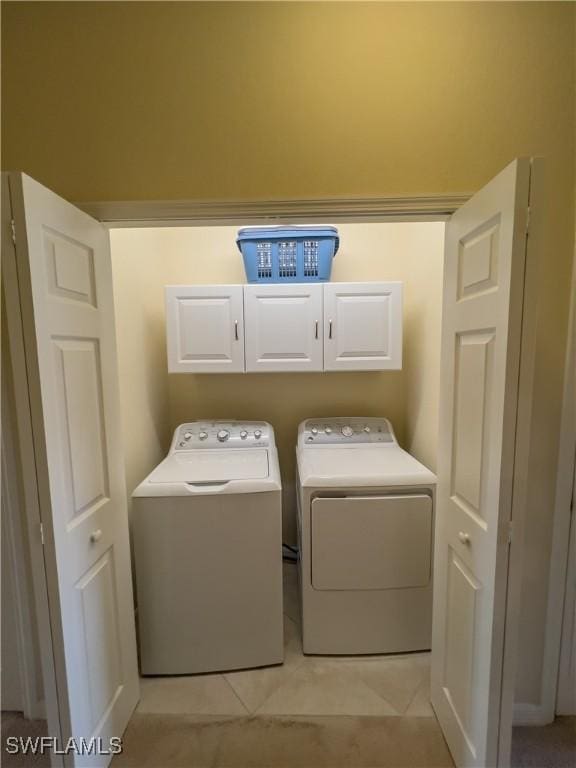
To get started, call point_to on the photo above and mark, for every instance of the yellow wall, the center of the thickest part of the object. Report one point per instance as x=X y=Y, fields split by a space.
x=145 y=260
x=162 y=100
x=124 y=100
x=139 y=309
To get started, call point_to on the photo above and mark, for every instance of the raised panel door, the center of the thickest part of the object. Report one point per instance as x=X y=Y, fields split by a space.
x=362 y=326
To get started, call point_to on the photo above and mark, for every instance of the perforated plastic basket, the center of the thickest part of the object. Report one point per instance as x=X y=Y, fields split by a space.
x=288 y=254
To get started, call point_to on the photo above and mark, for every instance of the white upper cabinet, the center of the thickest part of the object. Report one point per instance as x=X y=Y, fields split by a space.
x=362 y=326
x=283 y=327
x=205 y=328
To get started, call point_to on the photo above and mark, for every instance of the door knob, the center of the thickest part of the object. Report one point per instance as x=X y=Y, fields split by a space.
x=464 y=537
x=95 y=536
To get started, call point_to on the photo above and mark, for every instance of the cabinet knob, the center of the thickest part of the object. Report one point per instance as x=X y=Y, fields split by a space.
x=95 y=536
x=464 y=537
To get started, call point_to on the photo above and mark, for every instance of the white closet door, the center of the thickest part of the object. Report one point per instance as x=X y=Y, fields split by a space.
x=362 y=326
x=205 y=328
x=283 y=327
x=64 y=293
x=483 y=298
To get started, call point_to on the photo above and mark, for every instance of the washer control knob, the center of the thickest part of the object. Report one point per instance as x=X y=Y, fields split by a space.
x=243 y=434
x=328 y=430
x=314 y=431
x=182 y=444
x=202 y=435
x=367 y=429
x=347 y=430
x=257 y=434
x=187 y=435
x=223 y=435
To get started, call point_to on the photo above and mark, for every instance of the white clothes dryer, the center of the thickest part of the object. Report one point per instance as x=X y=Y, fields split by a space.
x=365 y=527
x=207 y=527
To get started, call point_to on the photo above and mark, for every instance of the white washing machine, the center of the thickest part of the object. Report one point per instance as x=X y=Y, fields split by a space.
x=365 y=526
x=207 y=527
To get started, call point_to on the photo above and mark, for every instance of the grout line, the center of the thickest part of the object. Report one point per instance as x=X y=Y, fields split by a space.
x=278 y=688
x=277 y=715
x=248 y=712
x=413 y=697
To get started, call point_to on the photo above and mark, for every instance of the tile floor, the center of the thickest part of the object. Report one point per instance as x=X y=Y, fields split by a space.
x=312 y=712
x=303 y=686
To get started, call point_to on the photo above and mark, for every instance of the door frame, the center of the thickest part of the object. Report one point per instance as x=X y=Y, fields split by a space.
x=16 y=570
x=140 y=214
x=560 y=616
x=26 y=457
x=556 y=635
x=534 y=235
x=566 y=695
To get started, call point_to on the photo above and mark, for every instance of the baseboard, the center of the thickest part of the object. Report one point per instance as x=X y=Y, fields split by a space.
x=531 y=714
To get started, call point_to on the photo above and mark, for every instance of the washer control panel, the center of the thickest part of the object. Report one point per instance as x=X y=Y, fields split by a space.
x=346 y=431
x=222 y=434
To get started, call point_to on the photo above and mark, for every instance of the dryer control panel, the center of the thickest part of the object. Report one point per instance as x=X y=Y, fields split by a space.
x=222 y=434
x=346 y=430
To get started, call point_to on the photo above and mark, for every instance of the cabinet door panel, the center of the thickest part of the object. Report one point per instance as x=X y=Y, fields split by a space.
x=205 y=328
x=283 y=327
x=362 y=326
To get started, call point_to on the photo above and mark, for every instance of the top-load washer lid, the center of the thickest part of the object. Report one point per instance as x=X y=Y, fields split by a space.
x=216 y=457
x=213 y=466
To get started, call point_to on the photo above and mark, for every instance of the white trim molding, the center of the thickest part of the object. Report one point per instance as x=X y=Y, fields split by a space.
x=169 y=213
x=566 y=695
x=24 y=444
x=544 y=711
x=17 y=553
x=559 y=691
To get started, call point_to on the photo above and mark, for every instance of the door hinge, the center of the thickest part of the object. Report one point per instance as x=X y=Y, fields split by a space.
x=42 y=534
x=13 y=230
x=528 y=213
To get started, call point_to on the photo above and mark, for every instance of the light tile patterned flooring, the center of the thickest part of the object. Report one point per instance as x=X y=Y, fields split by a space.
x=303 y=685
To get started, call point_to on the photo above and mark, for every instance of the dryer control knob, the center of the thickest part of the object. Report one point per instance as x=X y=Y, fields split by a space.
x=328 y=430
x=243 y=434
x=257 y=434
x=367 y=429
x=314 y=431
x=347 y=430
x=223 y=435
x=202 y=435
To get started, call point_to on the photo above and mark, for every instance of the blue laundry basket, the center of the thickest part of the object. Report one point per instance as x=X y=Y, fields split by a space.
x=288 y=254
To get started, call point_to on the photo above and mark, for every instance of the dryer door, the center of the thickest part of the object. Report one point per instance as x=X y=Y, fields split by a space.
x=371 y=542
